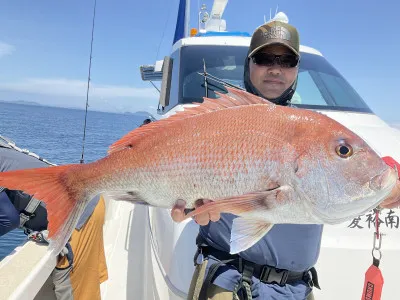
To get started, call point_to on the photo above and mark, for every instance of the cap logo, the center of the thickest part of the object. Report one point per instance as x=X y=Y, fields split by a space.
x=277 y=32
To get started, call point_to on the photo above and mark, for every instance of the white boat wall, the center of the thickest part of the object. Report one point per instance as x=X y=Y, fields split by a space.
x=151 y=257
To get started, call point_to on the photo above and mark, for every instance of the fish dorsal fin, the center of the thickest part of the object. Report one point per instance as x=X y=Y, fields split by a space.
x=233 y=98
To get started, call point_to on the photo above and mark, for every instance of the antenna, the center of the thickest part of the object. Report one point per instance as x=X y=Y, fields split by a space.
x=276 y=11
x=203 y=18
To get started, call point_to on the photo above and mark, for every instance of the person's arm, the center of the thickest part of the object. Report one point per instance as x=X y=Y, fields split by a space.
x=33 y=214
x=9 y=216
x=11 y=159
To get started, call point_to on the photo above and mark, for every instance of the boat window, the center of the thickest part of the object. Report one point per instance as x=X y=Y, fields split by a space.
x=174 y=92
x=223 y=62
x=308 y=90
x=319 y=85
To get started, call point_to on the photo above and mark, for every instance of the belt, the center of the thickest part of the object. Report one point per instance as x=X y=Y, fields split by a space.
x=266 y=274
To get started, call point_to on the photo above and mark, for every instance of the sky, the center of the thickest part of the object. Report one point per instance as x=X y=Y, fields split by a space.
x=45 y=46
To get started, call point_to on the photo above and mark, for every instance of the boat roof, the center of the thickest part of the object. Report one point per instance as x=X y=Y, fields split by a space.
x=227 y=40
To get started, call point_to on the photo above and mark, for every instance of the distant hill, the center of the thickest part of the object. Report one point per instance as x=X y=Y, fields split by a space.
x=22 y=102
x=138 y=114
x=143 y=113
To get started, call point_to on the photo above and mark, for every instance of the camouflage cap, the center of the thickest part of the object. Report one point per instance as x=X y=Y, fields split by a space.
x=275 y=32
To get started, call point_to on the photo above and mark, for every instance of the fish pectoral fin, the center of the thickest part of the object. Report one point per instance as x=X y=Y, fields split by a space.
x=246 y=232
x=238 y=205
x=265 y=200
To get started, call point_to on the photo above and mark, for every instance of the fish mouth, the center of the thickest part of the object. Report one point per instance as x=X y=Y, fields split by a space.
x=387 y=179
x=381 y=185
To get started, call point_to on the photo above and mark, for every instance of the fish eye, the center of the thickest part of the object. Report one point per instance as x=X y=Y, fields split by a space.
x=344 y=150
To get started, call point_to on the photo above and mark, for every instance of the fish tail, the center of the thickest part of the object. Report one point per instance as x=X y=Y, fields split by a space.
x=64 y=200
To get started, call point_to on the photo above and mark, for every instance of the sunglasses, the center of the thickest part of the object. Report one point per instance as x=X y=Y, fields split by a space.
x=268 y=60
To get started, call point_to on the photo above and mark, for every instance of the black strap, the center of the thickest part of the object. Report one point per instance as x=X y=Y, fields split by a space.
x=375 y=262
x=210 y=278
x=70 y=254
x=314 y=278
x=265 y=273
x=247 y=273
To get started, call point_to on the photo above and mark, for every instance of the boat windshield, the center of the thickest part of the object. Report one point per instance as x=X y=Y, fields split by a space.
x=320 y=86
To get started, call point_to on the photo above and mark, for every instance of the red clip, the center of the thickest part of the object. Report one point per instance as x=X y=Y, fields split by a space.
x=373 y=282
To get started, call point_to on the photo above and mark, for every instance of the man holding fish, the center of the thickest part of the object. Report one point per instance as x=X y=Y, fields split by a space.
x=258 y=167
x=280 y=264
x=271 y=71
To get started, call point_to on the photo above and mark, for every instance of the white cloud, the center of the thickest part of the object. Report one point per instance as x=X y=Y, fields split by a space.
x=76 y=88
x=6 y=49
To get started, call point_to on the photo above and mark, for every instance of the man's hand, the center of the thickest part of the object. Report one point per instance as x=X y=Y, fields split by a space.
x=178 y=212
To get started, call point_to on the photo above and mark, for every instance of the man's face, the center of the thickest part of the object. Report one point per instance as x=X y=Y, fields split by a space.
x=273 y=80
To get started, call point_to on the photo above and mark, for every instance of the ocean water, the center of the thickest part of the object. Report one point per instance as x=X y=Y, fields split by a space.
x=56 y=134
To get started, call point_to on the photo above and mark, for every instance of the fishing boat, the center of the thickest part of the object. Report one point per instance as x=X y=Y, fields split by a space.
x=151 y=257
